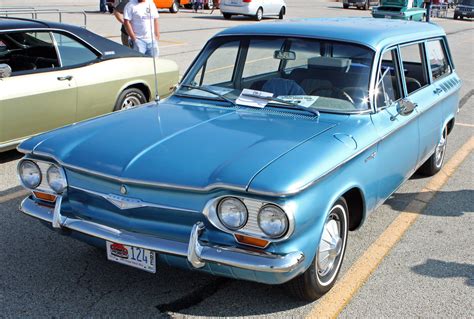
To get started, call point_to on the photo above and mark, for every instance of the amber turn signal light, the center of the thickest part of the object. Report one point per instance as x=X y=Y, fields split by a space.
x=45 y=197
x=256 y=242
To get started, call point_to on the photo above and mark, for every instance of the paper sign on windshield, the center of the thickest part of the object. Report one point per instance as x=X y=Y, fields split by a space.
x=254 y=98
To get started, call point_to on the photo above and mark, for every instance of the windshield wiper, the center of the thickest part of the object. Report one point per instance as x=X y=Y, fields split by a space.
x=291 y=104
x=222 y=97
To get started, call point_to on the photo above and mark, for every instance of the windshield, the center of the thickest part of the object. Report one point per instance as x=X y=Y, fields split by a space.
x=321 y=74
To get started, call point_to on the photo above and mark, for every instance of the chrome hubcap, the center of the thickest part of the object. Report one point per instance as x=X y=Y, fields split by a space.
x=439 y=153
x=330 y=246
x=130 y=102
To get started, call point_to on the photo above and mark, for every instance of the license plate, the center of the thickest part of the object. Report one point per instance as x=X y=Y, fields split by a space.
x=388 y=17
x=132 y=256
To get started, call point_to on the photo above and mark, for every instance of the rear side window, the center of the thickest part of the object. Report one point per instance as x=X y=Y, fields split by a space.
x=73 y=52
x=437 y=58
x=413 y=67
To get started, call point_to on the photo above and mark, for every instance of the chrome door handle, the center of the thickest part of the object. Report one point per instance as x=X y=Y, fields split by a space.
x=437 y=91
x=65 y=78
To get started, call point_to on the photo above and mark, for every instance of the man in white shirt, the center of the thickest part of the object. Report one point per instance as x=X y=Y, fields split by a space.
x=141 y=22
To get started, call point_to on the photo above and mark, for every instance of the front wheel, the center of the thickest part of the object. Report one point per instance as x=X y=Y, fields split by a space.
x=321 y=276
x=345 y=6
x=129 y=99
x=434 y=164
x=259 y=14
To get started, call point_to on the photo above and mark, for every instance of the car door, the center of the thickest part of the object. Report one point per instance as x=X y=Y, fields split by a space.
x=439 y=95
x=397 y=149
x=97 y=81
x=420 y=92
x=38 y=96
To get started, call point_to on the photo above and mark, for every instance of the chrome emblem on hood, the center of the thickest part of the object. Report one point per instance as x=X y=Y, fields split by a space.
x=124 y=202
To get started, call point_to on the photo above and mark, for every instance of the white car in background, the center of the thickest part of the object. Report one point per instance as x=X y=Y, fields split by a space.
x=253 y=8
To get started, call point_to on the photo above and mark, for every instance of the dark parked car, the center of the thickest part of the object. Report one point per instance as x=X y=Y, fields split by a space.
x=465 y=9
x=360 y=4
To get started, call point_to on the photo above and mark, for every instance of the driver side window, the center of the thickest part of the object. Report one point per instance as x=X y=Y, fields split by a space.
x=388 y=80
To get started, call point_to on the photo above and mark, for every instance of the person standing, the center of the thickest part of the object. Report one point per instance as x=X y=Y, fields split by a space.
x=141 y=22
x=119 y=8
x=103 y=6
x=215 y=5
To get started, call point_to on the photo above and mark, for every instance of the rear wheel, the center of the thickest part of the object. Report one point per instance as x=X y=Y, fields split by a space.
x=227 y=16
x=129 y=99
x=455 y=17
x=434 y=164
x=345 y=6
x=259 y=14
x=174 y=7
x=281 y=15
x=321 y=275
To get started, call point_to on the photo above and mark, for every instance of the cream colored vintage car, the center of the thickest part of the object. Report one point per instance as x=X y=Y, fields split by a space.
x=54 y=74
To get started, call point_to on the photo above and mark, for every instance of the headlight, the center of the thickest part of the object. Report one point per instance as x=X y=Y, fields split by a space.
x=56 y=179
x=29 y=173
x=272 y=221
x=232 y=213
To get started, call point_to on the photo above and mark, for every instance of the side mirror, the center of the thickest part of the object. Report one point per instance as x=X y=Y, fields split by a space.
x=5 y=70
x=404 y=107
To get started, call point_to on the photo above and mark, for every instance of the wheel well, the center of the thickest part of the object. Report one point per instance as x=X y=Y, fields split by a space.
x=450 y=125
x=142 y=87
x=355 y=203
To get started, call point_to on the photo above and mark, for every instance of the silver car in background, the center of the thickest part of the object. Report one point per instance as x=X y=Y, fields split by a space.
x=253 y=8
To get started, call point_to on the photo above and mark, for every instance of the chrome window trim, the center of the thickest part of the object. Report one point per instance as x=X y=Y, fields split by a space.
x=210 y=211
x=446 y=55
x=56 y=48
x=400 y=82
x=97 y=51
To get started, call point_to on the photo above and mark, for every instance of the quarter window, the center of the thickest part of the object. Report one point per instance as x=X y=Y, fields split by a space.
x=439 y=64
x=73 y=52
x=388 y=88
x=413 y=67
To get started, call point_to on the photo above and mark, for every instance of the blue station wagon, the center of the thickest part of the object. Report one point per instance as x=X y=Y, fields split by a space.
x=279 y=140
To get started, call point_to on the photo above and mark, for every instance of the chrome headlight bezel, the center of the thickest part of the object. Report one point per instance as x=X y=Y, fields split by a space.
x=20 y=174
x=283 y=217
x=244 y=211
x=251 y=228
x=62 y=176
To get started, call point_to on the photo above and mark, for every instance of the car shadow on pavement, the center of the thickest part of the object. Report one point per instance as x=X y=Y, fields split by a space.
x=461 y=198
x=444 y=269
x=10 y=156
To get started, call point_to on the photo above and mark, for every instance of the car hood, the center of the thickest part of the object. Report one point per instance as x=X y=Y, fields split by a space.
x=180 y=144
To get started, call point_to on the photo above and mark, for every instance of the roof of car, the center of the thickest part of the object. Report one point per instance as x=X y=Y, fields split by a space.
x=367 y=31
x=108 y=48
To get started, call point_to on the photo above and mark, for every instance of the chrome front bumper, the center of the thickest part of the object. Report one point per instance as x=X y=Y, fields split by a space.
x=197 y=253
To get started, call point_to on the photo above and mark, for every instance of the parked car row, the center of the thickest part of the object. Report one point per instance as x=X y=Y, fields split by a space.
x=278 y=141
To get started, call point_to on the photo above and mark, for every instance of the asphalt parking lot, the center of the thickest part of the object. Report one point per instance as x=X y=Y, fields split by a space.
x=428 y=273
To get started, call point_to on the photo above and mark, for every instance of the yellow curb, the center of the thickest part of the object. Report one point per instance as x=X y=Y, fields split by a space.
x=14 y=195
x=341 y=294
